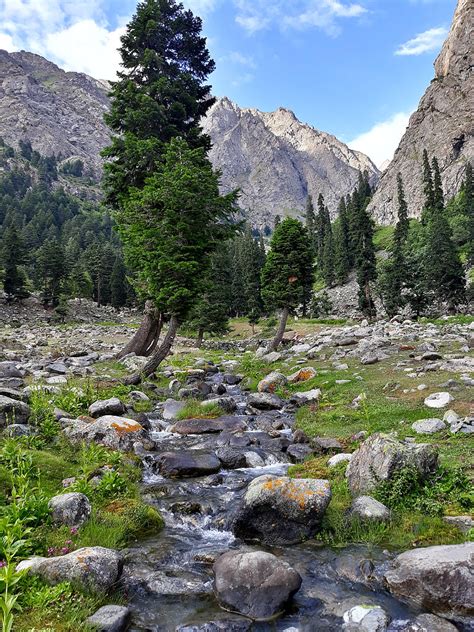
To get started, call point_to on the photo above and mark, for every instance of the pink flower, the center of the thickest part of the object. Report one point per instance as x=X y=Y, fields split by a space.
x=74 y=530
x=2 y=563
x=65 y=550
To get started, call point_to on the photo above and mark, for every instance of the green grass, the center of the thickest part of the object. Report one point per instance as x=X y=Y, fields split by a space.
x=458 y=319
x=383 y=237
x=195 y=410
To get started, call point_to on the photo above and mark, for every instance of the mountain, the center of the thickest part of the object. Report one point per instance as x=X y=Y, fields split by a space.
x=443 y=124
x=276 y=161
x=273 y=158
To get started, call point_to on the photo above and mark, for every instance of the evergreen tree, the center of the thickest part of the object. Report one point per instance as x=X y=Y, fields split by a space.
x=311 y=223
x=51 y=271
x=438 y=195
x=328 y=254
x=365 y=262
x=118 y=284
x=427 y=189
x=13 y=256
x=467 y=208
x=342 y=245
x=286 y=271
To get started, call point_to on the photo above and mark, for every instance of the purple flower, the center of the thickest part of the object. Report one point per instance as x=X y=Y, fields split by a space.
x=74 y=530
x=51 y=550
x=65 y=550
x=2 y=563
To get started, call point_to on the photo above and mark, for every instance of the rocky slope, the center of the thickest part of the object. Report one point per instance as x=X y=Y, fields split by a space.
x=273 y=158
x=277 y=161
x=443 y=124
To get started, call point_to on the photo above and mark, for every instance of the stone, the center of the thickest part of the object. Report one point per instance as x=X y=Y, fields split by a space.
x=117 y=433
x=429 y=623
x=370 y=358
x=172 y=409
x=227 y=404
x=57 y=367
x=428 y=426
x=451 y=417
x=380 y=456
x=301 y=398
x=18 y=430
x=255 y=584
x=139 y=396
x=438 y=400
x=463 y=523
x=298 y=452
x=9 y=369
x=95 y=569
x=222 y=625
x=208 y=426
x=280 y=510
x=13 y=411
x=365 y=618
x=188 y=463
x=271 y=382
x=231 y=379
x=71 y=509
x=109 y=619
x=231 y=458
x=366 y=508
x=326 y=444
x=13 y=393
x=265 y=401
x=302 y=375
x=271 y=357
x=435 y=578
x=112 y=406
x=335 y=460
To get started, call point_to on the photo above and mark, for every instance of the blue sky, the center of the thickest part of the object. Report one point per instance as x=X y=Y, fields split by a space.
x=354 y=68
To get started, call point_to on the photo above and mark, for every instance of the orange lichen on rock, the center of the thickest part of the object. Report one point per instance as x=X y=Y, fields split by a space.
x=124 y=426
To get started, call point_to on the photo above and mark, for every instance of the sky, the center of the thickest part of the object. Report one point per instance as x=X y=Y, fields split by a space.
x=354 y=68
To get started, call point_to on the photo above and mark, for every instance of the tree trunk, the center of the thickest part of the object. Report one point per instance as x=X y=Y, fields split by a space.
x=157 y=358
x=146 y=336
x=200 y=338
x=281 y=330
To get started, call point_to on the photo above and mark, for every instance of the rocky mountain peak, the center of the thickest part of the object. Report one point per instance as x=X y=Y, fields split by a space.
x=443 y=124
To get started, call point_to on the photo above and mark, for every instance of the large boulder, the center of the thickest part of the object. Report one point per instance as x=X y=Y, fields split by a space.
x=271 y=382
x=428 y=426
x=439 y=579
x=112 y=406
x=117 y=433
x=109 y=619
x=188 y=463
x=265 y=401
x=281 y=510
x=13 y=411
x=381 y=456
x=365 y=618
x=302 y=375
x=429 y=623
x=438 y=400
x=255 y=584
x=94 y=569
x=72 y=509
x=207 y=426
x=9 y=369
x=368 y=509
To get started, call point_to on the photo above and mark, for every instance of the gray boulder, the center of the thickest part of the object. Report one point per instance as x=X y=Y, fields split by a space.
x=72 y=509
x=255 y=584
x=438 y=400
x=117 y=433
x=439 y=579
x=428 y=426
x=207 y=426
x=109 y=619
x=430 y=623
x=9 y=369
x=188 y=463
x=112 y=406
x=301 y=398
x=365 y=618
x=380 y=456
x=222 y=625
x=280 y=510
x=271 y=382
x=94 y=568
x=172 y=408
x=366 y=508
x=265 y=401
x=13 y=411
x=227 y=404
x=19 y=430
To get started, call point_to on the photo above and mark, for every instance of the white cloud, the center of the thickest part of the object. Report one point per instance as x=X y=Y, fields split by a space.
x=381 y=141
x=6 y=43
x=425 y=42
x=201 y=7
x=256 y=15
x=236 y=57
x=99 y=58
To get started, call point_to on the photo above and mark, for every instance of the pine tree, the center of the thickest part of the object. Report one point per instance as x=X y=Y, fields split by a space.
x=468 y=208
x=342 y=246
x=365 y=262
x=51 y=271
x=288 y=266
x=118 y=284
x=328 y=256
x=13 y=256
x=438 y=195
x=311 y=223
x=427 y=189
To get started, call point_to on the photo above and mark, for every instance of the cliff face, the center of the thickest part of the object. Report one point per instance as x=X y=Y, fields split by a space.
x=443 y=124
x=59 y=112
x=276 y=161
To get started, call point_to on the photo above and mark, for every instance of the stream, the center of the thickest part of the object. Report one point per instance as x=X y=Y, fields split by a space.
x=168 y=578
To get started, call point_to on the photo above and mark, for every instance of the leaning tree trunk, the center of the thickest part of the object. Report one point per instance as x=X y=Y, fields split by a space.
x=146 y=337
x=160 y=354
x=281 y=330
x=200 y=338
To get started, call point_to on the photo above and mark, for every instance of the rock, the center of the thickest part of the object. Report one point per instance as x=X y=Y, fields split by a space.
x=380 y=456
x=13 y=411
x=366 y=508
x=370 y=358
x=224 y=625
x=255 y=584
x=188 y=463
x=436 y=578
x=431 y=356
x=227 y=404
x=71 y=509
x=301 y=398
x=112 y=406
x=463 y=523
x=302 y=375
x=280 y=510
x=271 y=382
x=13 y=393
x=9 y=369
x=298 y=452
x=365 y=619
x=231 y=379
x=326 y=444
x=272 y=357
x=206 y=426
x=231 y=458
x=138 y=396
x=339 y=458
x=430 y=623
x=94 y=568
x=18 y=430
x=171 y=409
x=438 y=400
x=109 y=619
x=117 y=433
x=265 y=401
x=428 y=426
x=57 y=367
